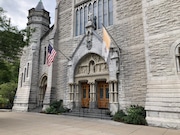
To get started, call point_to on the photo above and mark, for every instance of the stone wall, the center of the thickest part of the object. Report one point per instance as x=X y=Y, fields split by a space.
x=127 y=31
x=161 y=26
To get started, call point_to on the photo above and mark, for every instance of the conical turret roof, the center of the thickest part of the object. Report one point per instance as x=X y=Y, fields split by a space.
x=40 y=6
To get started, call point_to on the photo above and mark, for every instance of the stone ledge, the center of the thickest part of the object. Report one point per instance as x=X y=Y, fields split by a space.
x=163 y=122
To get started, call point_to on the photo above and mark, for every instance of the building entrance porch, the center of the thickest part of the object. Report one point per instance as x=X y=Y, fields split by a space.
x=91 y=85
x=91 y=95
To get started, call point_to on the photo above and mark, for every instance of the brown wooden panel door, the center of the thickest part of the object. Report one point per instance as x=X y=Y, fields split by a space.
x=85 y=94
x=103 y=95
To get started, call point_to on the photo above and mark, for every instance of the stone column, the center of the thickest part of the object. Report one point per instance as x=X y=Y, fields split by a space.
x=91 y=93
x=94 y=92
x=92 y=103
x=113 y=96
x=111 y=92
x=115 y=92
x=77 y=102
x=70 y=93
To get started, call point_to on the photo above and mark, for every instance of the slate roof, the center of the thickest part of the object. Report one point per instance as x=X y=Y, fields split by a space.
x=40 y=6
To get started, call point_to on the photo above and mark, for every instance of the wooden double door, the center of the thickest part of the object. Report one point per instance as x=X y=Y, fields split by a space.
x=85 y=95
x=102 y=95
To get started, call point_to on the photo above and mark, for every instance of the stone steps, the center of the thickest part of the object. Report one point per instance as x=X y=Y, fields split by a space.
x=90 y=113
x=37 y=109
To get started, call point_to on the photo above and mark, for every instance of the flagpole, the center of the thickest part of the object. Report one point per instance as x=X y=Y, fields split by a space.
x=112 y=38
x=64 y=55
x=119 y=49
x=61 y=52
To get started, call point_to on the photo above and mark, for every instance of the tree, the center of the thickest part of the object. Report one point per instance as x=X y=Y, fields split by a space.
x=9 y=71
x=8 y=82
x=7 y=92
x=12 y=42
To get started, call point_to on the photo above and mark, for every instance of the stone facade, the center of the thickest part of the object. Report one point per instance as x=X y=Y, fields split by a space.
x=162 y=33
x=144 y=71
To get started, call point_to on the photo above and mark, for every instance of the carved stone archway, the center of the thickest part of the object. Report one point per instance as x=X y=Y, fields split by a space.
x=91 y=67
x=90 y=70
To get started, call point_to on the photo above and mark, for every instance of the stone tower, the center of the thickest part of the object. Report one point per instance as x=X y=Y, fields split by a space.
x=27 y=92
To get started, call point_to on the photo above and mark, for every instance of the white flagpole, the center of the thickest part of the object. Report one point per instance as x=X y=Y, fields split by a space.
x=61 y=52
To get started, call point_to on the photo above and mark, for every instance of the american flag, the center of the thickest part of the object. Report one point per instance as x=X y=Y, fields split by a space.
x=51 y=55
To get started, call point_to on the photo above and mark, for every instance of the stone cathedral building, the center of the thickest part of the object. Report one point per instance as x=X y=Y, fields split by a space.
x=143 y=67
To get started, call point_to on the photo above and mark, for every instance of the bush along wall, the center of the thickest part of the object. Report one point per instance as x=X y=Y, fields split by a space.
x=135 y=115
x=56 y=107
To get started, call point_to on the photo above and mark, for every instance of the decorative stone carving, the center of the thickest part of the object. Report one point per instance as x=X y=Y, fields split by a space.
x=89 y=30
x=92 y=64
x=91 y=67
x=89 y=41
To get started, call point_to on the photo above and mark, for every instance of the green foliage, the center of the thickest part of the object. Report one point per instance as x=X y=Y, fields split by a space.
x=51 y=110
x=9 y=71
x=56 y=107
x=7 y=93
x=12 y=40
x=8 y=82
x=135 y=115
x=119 y=116
x=3 y=100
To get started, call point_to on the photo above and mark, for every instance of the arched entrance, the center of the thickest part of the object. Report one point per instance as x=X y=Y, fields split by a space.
x=43 y=86
x=91 y=77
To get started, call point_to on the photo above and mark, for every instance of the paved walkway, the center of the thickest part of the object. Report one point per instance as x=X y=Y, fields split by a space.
x=13 y=123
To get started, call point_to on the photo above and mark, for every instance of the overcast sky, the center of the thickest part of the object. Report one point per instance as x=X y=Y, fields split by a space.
x=17 y=10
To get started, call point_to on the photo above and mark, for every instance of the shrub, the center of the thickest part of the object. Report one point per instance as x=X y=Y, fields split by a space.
x=51 y=110
x=135 y=115
x=56 y=107
x=119 y=116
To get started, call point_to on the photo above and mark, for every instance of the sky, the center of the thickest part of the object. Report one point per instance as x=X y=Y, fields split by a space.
x=17 y=10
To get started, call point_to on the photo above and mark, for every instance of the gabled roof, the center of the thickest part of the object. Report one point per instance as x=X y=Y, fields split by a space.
x=40 y=6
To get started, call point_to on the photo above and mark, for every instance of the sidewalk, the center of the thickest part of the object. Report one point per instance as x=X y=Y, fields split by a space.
x=16 y=123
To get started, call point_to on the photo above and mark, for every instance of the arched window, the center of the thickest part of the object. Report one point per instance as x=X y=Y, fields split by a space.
x=85 y=16
x=95 y=9
x=45 y=55
x=81 y=21
x=105 y=13
x=100 y=13
x=102 y=9
x=27 y=74
x=90 y=8
x=110 y=12
x=24 y=74
x=95 y=14
x=77 y=22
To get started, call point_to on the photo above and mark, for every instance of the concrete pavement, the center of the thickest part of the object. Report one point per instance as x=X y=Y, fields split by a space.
x=18 y=123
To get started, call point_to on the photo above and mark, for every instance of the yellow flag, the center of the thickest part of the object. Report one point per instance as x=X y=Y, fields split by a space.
x=106 y=44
